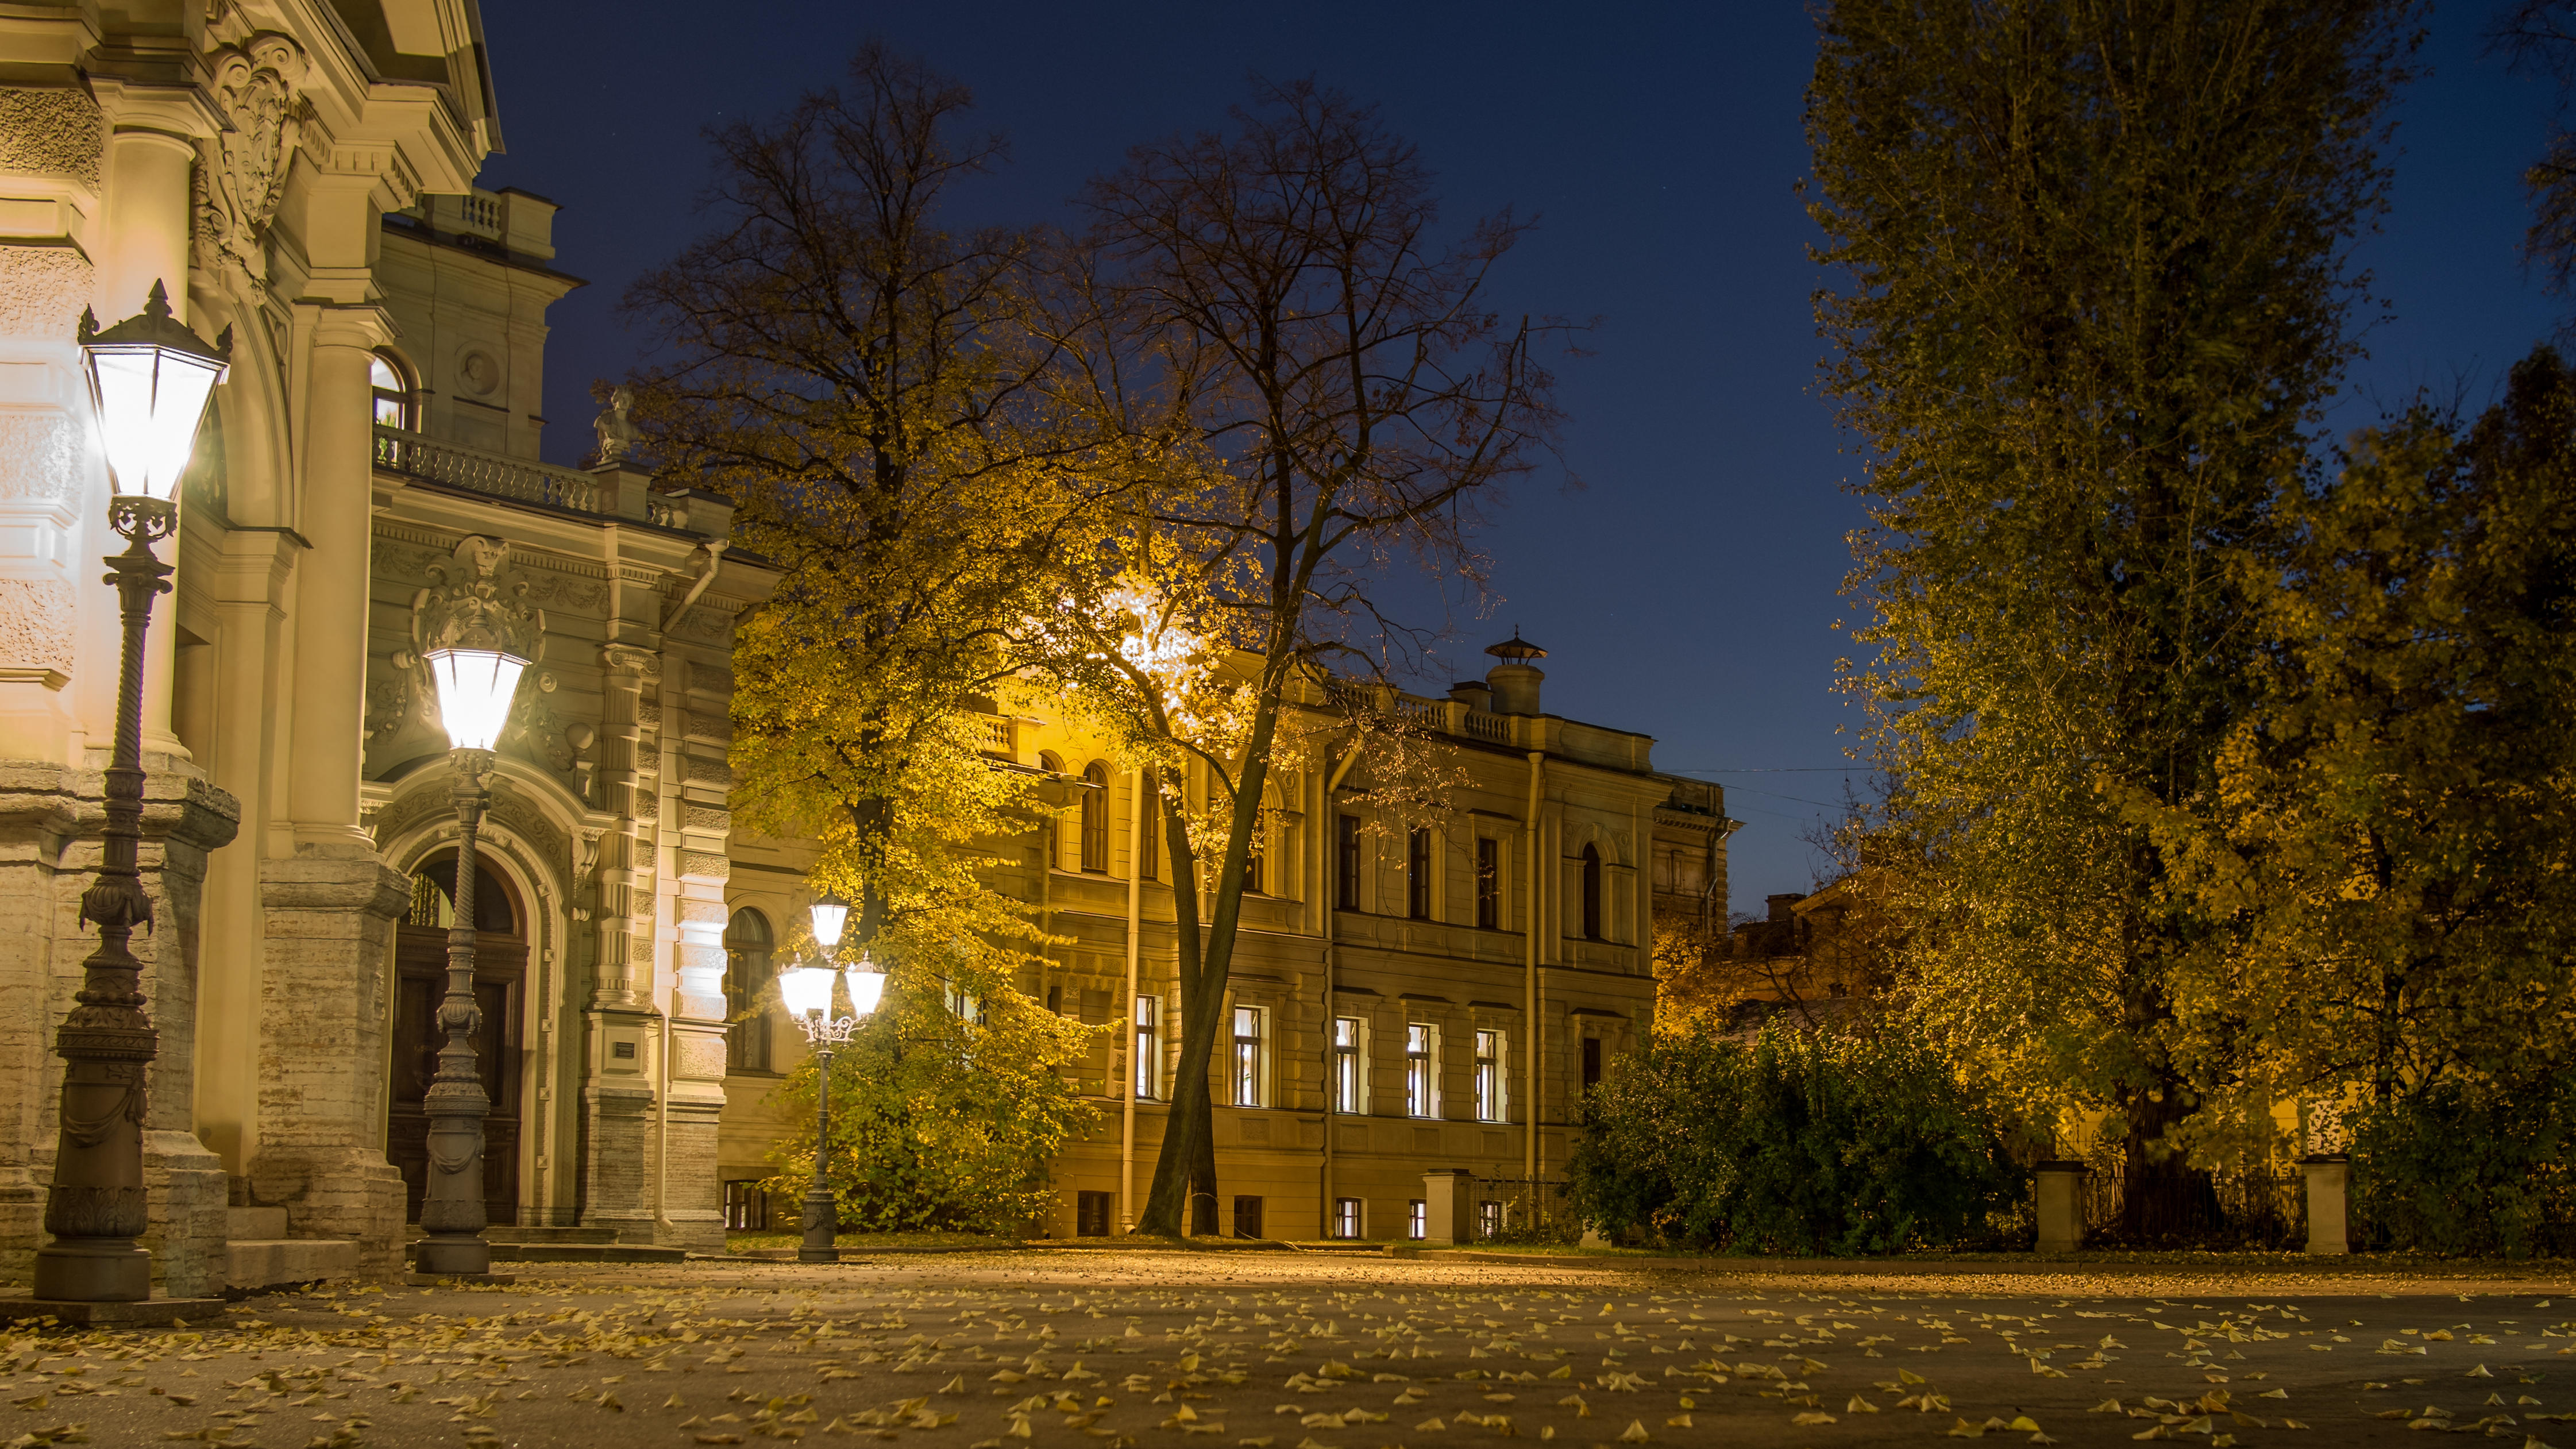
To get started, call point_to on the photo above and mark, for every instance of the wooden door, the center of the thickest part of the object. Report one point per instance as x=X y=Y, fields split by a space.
x=420 y=975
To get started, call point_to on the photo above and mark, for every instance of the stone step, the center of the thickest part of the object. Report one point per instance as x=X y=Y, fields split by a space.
x=254 y=1224
x=552 y=1252
x=273 y=1262
x=412 y=1233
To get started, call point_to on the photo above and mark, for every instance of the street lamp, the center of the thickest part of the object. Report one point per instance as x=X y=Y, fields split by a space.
x=149 y=381
x=476 y=674
x=807 y=991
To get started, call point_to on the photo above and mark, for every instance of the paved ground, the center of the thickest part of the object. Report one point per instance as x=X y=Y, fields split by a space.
x=1115 y=1349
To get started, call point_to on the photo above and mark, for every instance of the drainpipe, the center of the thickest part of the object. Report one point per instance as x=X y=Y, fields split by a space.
x=1127 y=1017
x=1328 y=833
x=1537 y=1038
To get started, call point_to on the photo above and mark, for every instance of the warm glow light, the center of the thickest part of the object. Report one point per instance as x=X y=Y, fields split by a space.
x=475 y=687
x=807 y=990
x=867 y=987
x=830 y=914
x=149 y=380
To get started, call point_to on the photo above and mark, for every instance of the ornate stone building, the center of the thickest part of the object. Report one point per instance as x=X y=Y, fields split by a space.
x=301 y=173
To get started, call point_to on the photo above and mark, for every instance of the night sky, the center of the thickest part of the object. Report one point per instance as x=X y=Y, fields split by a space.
x=1690 y=589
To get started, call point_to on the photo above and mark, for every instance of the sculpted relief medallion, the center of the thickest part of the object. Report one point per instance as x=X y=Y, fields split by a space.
x=241 y=174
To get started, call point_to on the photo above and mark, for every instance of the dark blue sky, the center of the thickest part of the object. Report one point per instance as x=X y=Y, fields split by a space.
x=1690 y=590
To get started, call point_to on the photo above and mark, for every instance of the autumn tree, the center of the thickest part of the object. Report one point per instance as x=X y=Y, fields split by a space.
x=2093 y=294
x=867 y=388
x=1281 y=322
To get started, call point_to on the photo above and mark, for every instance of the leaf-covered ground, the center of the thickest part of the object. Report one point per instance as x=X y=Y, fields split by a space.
x=1124 y=1349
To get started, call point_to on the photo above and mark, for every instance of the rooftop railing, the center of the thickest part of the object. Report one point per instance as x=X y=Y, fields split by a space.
x=472 y=468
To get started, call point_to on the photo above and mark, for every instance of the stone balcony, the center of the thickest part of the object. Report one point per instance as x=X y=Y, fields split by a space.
x=616 y=493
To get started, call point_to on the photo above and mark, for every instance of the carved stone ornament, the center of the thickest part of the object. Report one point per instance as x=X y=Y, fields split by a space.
x=241 y=175
x=468 y=605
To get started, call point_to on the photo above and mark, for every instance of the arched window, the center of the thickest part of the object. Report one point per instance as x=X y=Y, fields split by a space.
x=1095 y=817
x=1591 y=893
x=393 y=393
x=747 y=942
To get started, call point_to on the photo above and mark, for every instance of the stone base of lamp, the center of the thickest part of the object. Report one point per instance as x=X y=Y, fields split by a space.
x=92 y=1270
x=128 y=1313
x=452 y=1257
x=460 y=1280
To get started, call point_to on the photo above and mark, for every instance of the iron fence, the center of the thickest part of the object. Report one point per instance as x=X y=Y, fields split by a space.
x=1525 y=1210
x=2259 y=1208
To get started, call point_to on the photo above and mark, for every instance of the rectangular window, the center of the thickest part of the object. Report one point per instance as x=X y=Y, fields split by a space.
x=963 y=1005
x=1247 y=1217
x=1591 y=1062
x=1346 y=862
x=746 y=1207
x=1417 y=1220
x=1252 y=867
x=1421 y=1070
x=1149 y=849
x=1091 y=1213
x=1247 y=1056
x=1146 y=1069
x=1489 y=1220
x=1489 y=1076
x=1346 y=1217
x=1350 y=1081
x=1417 y=874
x=1489 y=883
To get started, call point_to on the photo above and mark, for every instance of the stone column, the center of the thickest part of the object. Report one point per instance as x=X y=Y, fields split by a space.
x=618 y=1140
x=2059 y=1189
x=331 y=588
x=1448 y=1207
x=695 y=787
x=2329 y=1203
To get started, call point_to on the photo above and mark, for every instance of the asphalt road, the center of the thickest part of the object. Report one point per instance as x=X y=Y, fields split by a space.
x=1117 y=1349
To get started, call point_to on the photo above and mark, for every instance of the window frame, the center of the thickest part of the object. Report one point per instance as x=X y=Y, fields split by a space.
x=1245 y=1061
x=1094 y=825
x=1422 y=1070
x=1489 y=883
x=1418 y=873
x=749 y=1044
x=405 y=399
x=1491 y=1103
x=1144 y=1048
x=1347 y=862
x=1417 y=1219
x=1592 y=893
x=1350 y=1065
x=1350 y=1218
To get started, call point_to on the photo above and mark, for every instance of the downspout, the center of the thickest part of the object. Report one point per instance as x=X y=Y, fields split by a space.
x=1135 y=923
x=1328 y=832
x=1537 y=1034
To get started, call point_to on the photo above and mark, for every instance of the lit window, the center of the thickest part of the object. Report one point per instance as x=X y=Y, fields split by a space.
x=1148 y=1064
x=393 y=397
x=747 y=943
x=1489 y=883
x=1417 y=874
x=1347 y=1222
x=1421 y=1071
x=964 y=1005
x=1489 y=1076
x=1417 y=1220
x=1247 y=1056
x=1489 y=1220
x=1350 y=1082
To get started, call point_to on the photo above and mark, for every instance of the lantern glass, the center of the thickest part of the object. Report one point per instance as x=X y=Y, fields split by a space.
x=475 y=687
x=807 y=990
x=830 y=914
x=867 y=987
x=150 y=401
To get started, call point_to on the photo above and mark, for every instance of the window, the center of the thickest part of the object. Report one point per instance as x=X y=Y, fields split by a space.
x=1421 y=1070
x=1417 y=1220
x=1489 y=882
x=747 y=943
x=1247 y=1056
x=1149 y=851
x=1417 y=873
x=393 y=395
x=1347 y=1221
x=1247 y=1217
x=1350 y=1079
x=964 y=1005
x=1346 y=862
x=746 y=1207
x=1591 y=893
x=1146 y=1071
x=1591 y=1062
x=1489 y=1076
x=1091 y=1214
x=1095 y=818
x=1489 y=1220
x=1252 y=866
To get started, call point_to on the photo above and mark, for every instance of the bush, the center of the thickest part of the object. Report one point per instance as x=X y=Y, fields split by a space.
x=1795 y=1142
x=2469 y=1167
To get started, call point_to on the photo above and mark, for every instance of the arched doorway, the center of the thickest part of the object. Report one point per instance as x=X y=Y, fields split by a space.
x=500 y=979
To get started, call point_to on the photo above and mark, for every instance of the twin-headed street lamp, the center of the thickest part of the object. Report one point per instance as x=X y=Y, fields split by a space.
x=807 y=991
x=149 y=382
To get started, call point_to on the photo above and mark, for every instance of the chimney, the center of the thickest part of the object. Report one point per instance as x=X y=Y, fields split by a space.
x=1780 y=905
x=1515 y=681
x=1472 y=693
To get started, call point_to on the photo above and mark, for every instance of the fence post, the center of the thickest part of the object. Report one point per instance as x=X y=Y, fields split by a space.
x=1448 y=1209
x=2059 y=1190
x=2329 y=1189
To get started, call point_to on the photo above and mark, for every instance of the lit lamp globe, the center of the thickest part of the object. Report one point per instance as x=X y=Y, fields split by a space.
x=475 y=687
x=149 y=379
x=830 y=914
x=806 y=990
x=867 y=987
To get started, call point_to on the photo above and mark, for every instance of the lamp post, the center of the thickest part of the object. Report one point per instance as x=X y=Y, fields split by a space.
x=807 y=990
x=149 y=382
x=476 y=675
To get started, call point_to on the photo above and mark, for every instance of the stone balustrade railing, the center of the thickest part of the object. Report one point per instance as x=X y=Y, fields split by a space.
x=472 y=468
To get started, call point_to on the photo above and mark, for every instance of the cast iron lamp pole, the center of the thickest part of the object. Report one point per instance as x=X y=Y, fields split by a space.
x=807 y=991
x=476 y=680
x=149 y=381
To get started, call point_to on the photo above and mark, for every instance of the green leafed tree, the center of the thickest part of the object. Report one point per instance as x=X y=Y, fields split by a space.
x=2092 y=294
x=866 y=385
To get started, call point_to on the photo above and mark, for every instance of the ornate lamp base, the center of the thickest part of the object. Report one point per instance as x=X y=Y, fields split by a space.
x=134 y=1313
x=102 y=1270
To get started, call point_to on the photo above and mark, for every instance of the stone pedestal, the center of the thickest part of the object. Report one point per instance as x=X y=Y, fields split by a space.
x=2058 y=1191
x=2329 y=1189
x=50 y=816
x=1448 y=1207
x=324 y=1010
